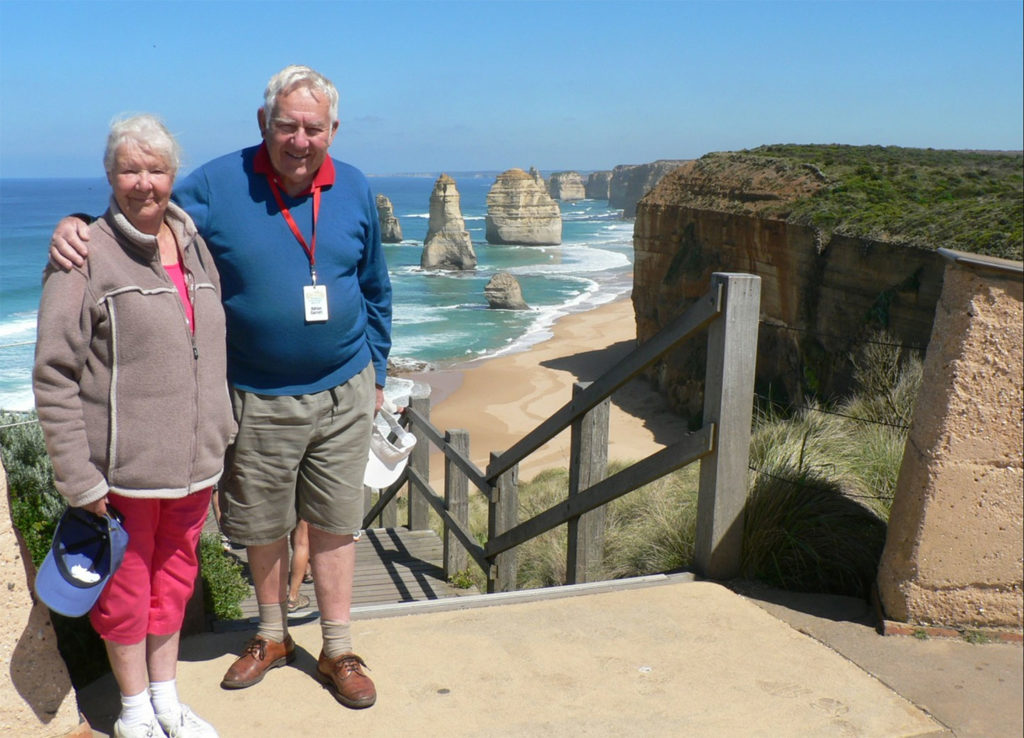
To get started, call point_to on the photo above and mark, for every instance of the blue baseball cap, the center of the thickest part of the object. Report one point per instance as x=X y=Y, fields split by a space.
x=87 y=549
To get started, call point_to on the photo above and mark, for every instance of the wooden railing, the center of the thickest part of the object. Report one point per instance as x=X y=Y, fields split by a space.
x=729 y=313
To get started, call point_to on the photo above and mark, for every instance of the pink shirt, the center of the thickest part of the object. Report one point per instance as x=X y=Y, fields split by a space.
x=178 y=277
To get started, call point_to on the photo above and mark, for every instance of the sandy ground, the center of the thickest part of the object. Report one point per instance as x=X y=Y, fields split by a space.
x=500 y=400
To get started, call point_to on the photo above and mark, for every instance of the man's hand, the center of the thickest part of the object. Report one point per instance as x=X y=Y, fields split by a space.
x=67 y=244
x=380 y=400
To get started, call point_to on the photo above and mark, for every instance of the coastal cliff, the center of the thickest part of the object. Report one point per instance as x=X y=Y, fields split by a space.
x=821 y=294
x=630 y=182
x=519 y=211
x=598 y=185
x=447 y=245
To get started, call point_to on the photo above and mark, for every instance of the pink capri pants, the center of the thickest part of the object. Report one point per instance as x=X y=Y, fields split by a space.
x=148 y=593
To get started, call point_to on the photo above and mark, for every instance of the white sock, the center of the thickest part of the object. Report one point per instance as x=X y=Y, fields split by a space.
x=136 y=709
x=164 y=696
x=337 y=637
x=274 y=621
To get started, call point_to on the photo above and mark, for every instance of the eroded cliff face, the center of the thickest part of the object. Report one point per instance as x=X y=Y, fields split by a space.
x=520 y=211
x=821 y=296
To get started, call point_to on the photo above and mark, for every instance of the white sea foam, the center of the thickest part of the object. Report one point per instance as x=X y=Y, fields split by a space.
x=576 y=259
x=21 y=400
x=19 y=327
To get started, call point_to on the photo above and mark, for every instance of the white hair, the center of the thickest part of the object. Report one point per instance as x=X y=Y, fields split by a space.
x=148 y=133
x=293 y=77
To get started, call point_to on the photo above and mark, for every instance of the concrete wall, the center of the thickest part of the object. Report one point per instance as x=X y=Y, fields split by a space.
x=36 y=698
x=954 y=554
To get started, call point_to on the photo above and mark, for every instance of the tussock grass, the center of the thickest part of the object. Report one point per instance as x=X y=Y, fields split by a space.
x=824 y=479
x=820 y=490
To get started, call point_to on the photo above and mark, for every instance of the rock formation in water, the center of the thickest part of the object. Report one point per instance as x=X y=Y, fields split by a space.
x=539 y=179
x=447 y=245
x=520 y=212
x=821 y=296
x=598 y=185
x=390 y=228
x=630 y=182
x=566 y=186
x=504 y=293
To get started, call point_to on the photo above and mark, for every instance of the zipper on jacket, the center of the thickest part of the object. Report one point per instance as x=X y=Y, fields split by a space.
x=190 y=330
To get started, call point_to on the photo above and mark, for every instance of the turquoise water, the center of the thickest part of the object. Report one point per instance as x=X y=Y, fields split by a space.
x=440 y=318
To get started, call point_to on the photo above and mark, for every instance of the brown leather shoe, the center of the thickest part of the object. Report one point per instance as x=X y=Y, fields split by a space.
x=344 y=677
x=260 y=655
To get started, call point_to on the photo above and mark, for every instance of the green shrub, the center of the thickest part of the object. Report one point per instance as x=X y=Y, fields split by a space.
x=966 y=200
x=224 y=586
x=36 y=506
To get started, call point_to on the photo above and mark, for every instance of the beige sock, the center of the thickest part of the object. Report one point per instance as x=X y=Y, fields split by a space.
x=337 y=637
x=274 y=621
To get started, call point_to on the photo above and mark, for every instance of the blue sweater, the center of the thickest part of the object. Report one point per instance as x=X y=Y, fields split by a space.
x=263 y=269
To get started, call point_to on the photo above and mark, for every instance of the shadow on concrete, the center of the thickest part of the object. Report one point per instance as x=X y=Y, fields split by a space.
x=837 y=608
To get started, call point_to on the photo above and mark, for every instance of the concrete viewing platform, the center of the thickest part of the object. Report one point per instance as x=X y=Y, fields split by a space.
x=659 y=656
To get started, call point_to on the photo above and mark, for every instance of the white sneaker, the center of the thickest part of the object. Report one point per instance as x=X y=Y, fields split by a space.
x=186 y=724
x=151 y=729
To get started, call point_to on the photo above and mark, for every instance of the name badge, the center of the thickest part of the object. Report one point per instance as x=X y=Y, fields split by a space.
x=315 y=299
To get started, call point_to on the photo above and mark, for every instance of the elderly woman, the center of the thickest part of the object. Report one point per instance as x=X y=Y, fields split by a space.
x=130 y=387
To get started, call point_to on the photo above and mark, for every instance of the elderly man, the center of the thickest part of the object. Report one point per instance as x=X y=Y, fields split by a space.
x=307 y=296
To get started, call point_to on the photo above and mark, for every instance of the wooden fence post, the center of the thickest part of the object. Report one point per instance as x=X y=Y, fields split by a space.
x=502 y=514
x=456 y=500
x=728 y=403
x=588 y=465
x=389 y=515
x=419 y=508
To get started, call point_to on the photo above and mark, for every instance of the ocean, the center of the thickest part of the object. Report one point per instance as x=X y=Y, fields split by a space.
x=441 y=319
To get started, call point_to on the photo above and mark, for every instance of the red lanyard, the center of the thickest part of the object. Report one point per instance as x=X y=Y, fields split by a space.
x=311 y=249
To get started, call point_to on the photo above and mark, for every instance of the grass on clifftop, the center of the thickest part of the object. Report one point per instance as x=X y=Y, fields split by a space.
x=967 y=200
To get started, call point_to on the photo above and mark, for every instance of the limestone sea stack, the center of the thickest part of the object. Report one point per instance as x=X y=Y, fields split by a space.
x=447 y=245
x=520 y=212
x=504 y=293
x=390 y=228
x=599 y=185
x=539 y=179
x=566 y=186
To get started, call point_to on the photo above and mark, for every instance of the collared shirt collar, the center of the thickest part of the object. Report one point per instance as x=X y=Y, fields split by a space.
x=324 y=176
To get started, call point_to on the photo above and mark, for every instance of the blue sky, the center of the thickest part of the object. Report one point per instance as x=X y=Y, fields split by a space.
x=456 y=86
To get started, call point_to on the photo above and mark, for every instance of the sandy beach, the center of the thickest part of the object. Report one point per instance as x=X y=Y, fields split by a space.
x=499 y=400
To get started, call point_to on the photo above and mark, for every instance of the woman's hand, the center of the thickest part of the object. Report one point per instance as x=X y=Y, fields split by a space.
x=98 y=507
x=67 y=244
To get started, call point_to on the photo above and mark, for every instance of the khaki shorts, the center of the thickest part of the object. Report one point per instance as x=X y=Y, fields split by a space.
x=299 y=455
